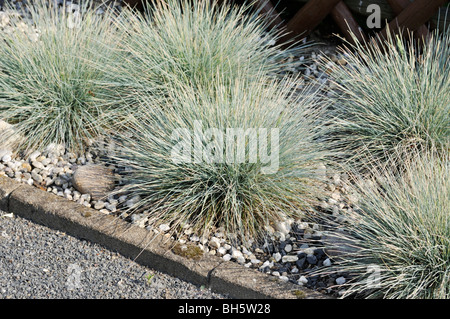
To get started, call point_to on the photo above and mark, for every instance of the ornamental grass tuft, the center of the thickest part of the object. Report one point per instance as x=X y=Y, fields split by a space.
x=399 y=232
x=52 y=87
x=241 y=156
x=195 y=43
x=392 y=99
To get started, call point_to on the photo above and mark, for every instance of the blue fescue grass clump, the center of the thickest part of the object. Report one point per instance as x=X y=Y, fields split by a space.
x=393 y=98
x=400 y=232
x=189 y=64
x=52 y=84
x=207 y=190
x=195 y=43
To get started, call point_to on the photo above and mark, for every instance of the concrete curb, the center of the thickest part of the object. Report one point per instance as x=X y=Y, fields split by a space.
x=153 y=251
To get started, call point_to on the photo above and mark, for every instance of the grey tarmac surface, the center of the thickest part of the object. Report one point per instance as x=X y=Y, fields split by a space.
x=42 y=263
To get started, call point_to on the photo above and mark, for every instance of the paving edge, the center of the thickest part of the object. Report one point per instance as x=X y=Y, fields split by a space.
x=153 y=251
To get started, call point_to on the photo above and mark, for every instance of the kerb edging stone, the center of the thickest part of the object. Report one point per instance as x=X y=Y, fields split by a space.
x=151 y=250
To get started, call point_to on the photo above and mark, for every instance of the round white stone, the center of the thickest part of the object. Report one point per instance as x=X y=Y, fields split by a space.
x=164 y=227
x=235 y=253
x=240 y=259
x=277 y=257
x=194 y=238
x=222 y=250
x=99 y=205
x=34 y=155
x=214 y=242
x=303 y=280
x=340 y=281
x=284 y=227
x=289 y=259
x=284 y=278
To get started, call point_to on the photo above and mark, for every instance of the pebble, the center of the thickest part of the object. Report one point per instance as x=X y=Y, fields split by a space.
x=99 y=205
x=204 y=240
x=112 y=208
x=340 y=280
x=113 y=201
x=34 y=155
x=259 y=250
x=86 y=197
x=194 y=238
x=302 y=225
x=284 y=227
x=336 y=196
x=235 y=253
x=6 y=158
x=308 y=251
x=267 y=263
x=303 y=280
x=40 y=158
x=222 y=250
x=284 y=278
x=289 y=259
x=277 y=257
x=4 y=152
x=214 y=242
x=76 y=195
x=240 y=259
x=36 y=177
x=46 y=161
x=164 y=227
x=342 y=62
x=38 y=165
x=131 y=202
x=311 y=259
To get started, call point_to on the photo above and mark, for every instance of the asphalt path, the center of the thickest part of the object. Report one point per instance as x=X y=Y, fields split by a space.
x=42 y=263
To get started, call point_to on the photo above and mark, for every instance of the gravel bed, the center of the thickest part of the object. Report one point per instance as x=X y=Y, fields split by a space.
x=37 y=262
x=293 y=250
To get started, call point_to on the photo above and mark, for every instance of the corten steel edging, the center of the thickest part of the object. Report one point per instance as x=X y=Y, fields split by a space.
x=153 y=251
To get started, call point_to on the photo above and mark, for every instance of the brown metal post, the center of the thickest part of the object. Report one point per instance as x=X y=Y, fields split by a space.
x=309 y=17
x=398 y=6
x=266 y=8
x=344 y=19
x=413 y=16
x=136 y=4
